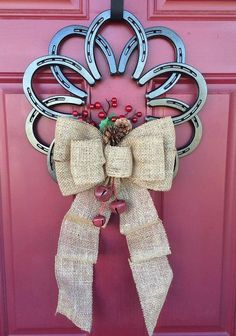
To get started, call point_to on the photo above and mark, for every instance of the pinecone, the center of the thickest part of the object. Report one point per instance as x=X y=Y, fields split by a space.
x=115 y=133
x=124 y=125
x=107 y=134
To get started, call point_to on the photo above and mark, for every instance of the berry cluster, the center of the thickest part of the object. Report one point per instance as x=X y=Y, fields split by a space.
x=97 y=110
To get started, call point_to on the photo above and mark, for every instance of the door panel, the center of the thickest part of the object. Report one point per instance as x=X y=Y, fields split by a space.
x=198 y=213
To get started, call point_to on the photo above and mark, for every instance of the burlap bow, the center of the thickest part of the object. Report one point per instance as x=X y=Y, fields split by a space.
x=144 y=159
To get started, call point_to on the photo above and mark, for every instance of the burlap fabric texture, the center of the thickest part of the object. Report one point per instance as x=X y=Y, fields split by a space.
x=143 y=160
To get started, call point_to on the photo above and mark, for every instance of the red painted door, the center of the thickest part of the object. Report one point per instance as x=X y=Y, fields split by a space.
x=198 y=213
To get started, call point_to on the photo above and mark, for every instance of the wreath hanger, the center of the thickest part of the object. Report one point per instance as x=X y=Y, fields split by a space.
x=117 y=10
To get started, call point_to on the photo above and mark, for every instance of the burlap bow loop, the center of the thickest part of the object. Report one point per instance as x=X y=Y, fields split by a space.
x=144 y=159
x=149 y=158
x=87 y=162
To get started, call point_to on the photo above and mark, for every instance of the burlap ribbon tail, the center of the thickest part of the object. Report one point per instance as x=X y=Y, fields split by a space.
x=144 y=159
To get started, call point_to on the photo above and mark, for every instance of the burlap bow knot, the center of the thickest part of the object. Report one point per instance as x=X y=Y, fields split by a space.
x=144 y=159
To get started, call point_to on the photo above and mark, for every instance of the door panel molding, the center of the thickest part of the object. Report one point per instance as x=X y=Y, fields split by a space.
x=52 y=10
x=191 y=10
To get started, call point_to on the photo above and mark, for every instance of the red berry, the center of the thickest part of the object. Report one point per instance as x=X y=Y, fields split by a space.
x=93 y=123
x=139 y=114
x=97 y=105
x=102 y=115
x=128 y=108
x=114 y=104
x=91 y=106
x=114 y=100
x=134 y=120
x=85 y=113
x=113 y=119
x=75 y=113
x=122 y=116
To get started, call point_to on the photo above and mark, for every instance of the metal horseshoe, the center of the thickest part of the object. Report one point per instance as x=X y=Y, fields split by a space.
x=179 y=68
x=176 y=166
x=34 y=116
x=195 y=122
x=77 y=30
x=47 y=61
x=156 y=32
x=51 y=163
x=91 y=37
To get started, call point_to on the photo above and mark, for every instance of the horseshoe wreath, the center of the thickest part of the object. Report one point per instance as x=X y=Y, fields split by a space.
x=110 y=167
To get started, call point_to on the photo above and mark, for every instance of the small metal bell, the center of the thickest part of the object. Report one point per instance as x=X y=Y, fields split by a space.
x=103 y=193
x=99 y=220
x=118 y=206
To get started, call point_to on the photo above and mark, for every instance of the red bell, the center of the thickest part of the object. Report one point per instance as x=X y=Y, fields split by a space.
x=99 y=220
x=118 y=206
x=103 y=193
